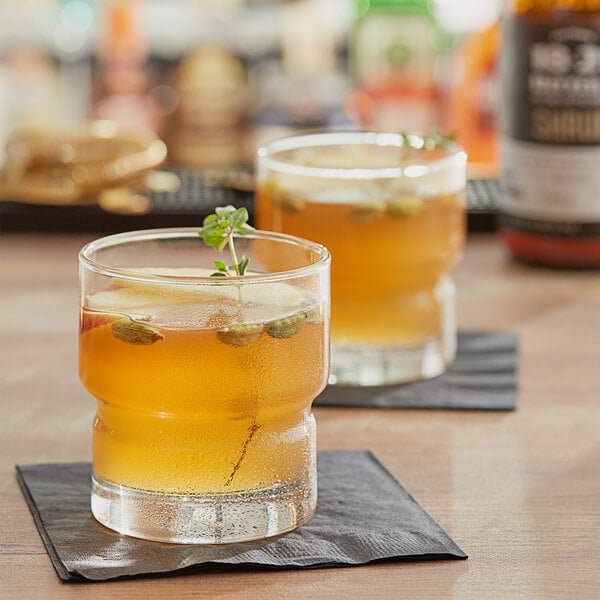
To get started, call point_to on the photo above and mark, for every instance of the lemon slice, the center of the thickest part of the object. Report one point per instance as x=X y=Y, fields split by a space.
x=272 y=293
x=200 y=305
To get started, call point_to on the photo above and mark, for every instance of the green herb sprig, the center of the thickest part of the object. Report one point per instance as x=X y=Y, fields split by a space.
x=218 y=230
x=429 y=141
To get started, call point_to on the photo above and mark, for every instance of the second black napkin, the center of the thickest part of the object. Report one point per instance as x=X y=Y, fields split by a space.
x=483 y=377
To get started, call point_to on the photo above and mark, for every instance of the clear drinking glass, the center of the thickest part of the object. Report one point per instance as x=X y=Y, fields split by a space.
x=204 y=385
x=390 y=209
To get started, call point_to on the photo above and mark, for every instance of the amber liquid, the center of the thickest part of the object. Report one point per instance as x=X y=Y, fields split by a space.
x=190 y=414
x=384 y=268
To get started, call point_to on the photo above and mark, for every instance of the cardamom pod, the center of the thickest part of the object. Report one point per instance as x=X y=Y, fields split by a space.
x=407 y=206
x=240 y=335
x=133 y=332
x=287 y=201
x=365 y=212
x=286 y=327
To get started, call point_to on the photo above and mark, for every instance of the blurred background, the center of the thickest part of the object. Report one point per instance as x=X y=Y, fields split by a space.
x=130 y=113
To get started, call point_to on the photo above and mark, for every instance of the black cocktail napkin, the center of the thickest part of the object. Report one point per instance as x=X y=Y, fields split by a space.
x=483 y=377
x=363 y=515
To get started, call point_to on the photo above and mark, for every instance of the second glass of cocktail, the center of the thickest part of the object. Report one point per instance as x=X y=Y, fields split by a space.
x=203 y=431
x=390 y=208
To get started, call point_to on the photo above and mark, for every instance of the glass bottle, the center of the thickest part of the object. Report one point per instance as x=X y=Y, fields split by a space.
x=550 y=143
x=395 y=47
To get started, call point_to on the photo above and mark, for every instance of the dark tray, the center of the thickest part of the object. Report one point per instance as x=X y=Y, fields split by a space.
x=189 y=205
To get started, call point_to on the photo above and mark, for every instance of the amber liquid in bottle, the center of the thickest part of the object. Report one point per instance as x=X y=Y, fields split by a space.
x=550 y=144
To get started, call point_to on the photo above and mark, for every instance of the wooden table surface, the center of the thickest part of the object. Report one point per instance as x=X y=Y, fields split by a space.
x=518 y=491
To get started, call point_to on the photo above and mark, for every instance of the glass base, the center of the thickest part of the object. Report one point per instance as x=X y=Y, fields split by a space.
x=387 y=365
x=215 y=519
x=369 y=365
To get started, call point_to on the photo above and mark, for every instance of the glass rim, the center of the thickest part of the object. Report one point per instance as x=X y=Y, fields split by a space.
x=173 y=233
x=455 y=157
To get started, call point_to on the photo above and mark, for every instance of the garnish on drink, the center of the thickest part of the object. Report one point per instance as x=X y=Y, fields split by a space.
x=218 y=230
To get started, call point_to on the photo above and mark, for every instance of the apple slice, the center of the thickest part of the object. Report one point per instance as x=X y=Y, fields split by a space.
x=91 y=320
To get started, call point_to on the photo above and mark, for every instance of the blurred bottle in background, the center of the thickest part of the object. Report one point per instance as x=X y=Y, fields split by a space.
x=122 y=76
x=303 y=84
x=395 y=49
x=471 y=101
x=29 y=90
x=550 y=207
x=429 y=65
x=44 y=66
x=208 y=129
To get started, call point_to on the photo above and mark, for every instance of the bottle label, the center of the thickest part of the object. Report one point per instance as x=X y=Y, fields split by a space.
x=551 y=124
x=560 y=183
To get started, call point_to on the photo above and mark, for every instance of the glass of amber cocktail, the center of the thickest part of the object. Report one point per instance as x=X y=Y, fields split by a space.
x=203 y=431
x=390 y=209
